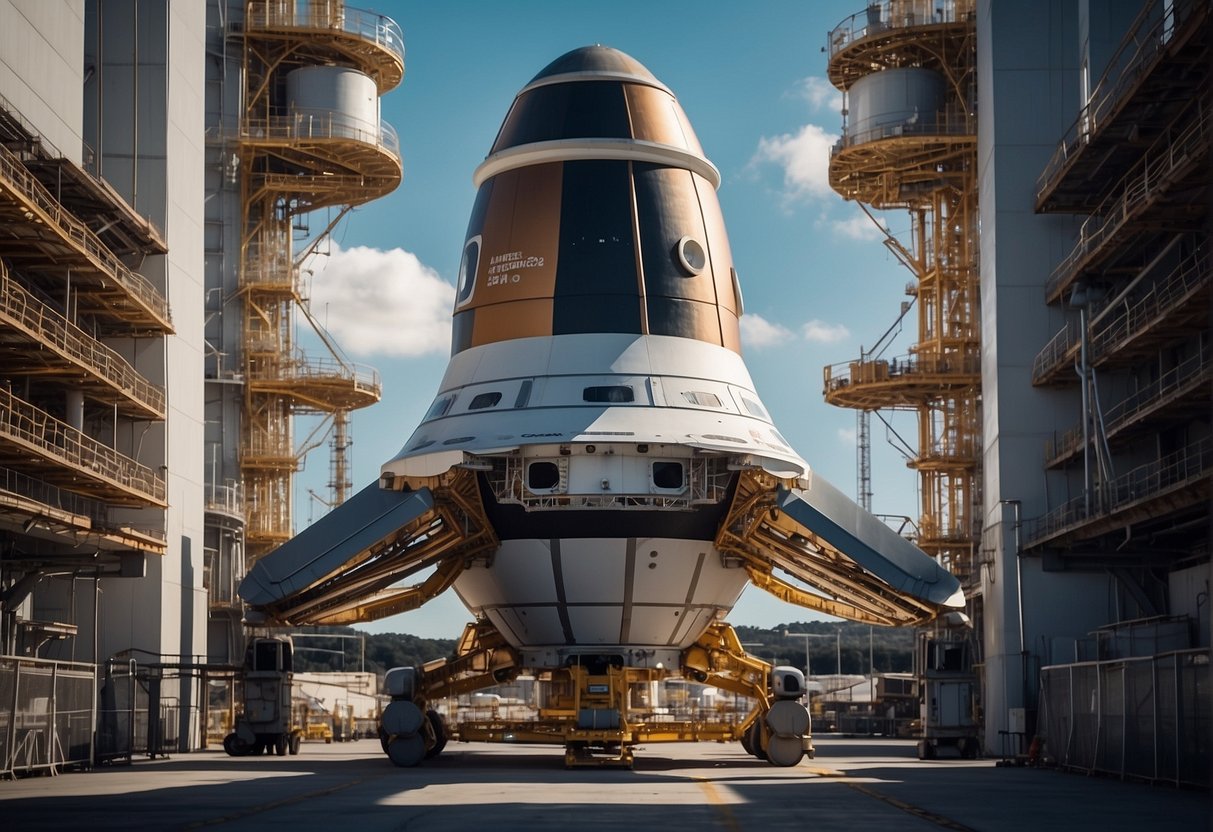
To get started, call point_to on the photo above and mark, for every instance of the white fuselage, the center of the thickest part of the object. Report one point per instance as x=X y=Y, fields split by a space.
x=607 y=510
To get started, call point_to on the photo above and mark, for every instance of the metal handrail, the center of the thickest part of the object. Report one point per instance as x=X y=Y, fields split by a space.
x=321 y=125
x=942 y=123
x=366 y=25
x=89 y=161
x=1148 y=48
x=228 y=499
x=1192 y=462
x=883 y=15
x=1179 y=378
x=1054 y=352
x=79 y=236
x=845 y=373
x=21 y=310
x=1122 y=319
x=33 y=427
x=1188 y=277
x=1135 y=192
x=300 y=367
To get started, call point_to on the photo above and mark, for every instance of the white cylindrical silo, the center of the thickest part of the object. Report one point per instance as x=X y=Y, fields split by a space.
x=884 y=101
x=337 y=95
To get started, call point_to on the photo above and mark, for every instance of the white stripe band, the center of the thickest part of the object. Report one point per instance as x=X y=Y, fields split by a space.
x=570 y=150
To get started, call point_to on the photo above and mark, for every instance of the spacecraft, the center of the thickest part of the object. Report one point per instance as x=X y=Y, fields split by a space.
x=597 y=478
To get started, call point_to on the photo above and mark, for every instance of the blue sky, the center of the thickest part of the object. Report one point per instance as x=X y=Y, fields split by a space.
x=818 y=283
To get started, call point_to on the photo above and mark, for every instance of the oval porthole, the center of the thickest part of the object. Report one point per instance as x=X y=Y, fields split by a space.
x=467 y=271
x=691 y=255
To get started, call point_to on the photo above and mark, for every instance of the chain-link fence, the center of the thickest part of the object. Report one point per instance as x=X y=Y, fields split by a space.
x=1145 y=718
x=47 y=710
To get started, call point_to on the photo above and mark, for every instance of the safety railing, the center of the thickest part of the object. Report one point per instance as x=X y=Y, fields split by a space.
x=52 y=496
x=1176 y=469
x=24 y=424
x=882 y=15
x=919 y=125
x=335 y=15
x=1057 y=351
x=1124 y=320
x=907 y=367
x=322 y=125
x=22 y=311
x=301 y=369
x=1138 y=190
x=1138 y=718
x=1138 y=53
x=1192 y=373
x=45 y=209
x=1120 y=321
x=225 y=499
x=47 y=713
x=89 y=160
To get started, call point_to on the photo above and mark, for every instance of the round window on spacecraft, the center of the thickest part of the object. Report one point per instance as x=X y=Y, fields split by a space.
x=467 y=271
x=691 y=255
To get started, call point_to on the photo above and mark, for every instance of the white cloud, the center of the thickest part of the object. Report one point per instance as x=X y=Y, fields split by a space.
x=804 y=158
x=858 y=227
x=846 y=436
x=379 y=302
x=822 y=333
x=758 y=333
x=821 y=94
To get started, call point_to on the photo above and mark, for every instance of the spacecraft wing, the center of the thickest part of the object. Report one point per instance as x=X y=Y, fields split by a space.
x=328 y=546
x=346 y=567
x=837 y=558
x=838 y=523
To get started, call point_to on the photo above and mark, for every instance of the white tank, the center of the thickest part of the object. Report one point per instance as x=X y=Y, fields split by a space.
x=345 y=95
x=883 y=101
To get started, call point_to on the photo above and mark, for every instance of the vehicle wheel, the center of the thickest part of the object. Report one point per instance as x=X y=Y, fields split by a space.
x=383 y=738
x=756 y=741
x=746 y=745
x=926 y=750
x=440 y=737
x=407 y=751
x=294 y=744
x=281 y=743
x=234 y=746
x=784 y=751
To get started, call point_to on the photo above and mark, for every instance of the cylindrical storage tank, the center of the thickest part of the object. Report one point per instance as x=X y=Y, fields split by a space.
x=882 y=102
x=333 y=100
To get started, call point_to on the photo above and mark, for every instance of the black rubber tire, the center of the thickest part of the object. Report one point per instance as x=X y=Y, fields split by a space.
x=746 y=745
x=294 y=744
x=756 y=740
x=440 y=736
x=281 y=744
x=234 y=746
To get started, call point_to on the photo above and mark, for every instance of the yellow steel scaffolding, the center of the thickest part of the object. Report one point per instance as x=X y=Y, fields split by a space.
x=294 y=161
x=921 y=159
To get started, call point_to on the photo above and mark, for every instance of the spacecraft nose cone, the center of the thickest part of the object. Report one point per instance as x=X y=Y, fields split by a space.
x=596 y=212
x=596 y=59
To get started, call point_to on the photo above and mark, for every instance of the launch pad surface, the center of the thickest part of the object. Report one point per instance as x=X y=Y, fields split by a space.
x=851 y=784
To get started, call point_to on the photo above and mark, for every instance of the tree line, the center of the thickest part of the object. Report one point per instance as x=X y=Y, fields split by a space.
x=857 y=647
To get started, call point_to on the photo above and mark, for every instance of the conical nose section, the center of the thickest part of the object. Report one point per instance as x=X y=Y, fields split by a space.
x=597 y=60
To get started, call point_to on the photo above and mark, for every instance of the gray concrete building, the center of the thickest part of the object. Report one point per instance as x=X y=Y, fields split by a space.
x=101 y=267
x=1064 y=149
